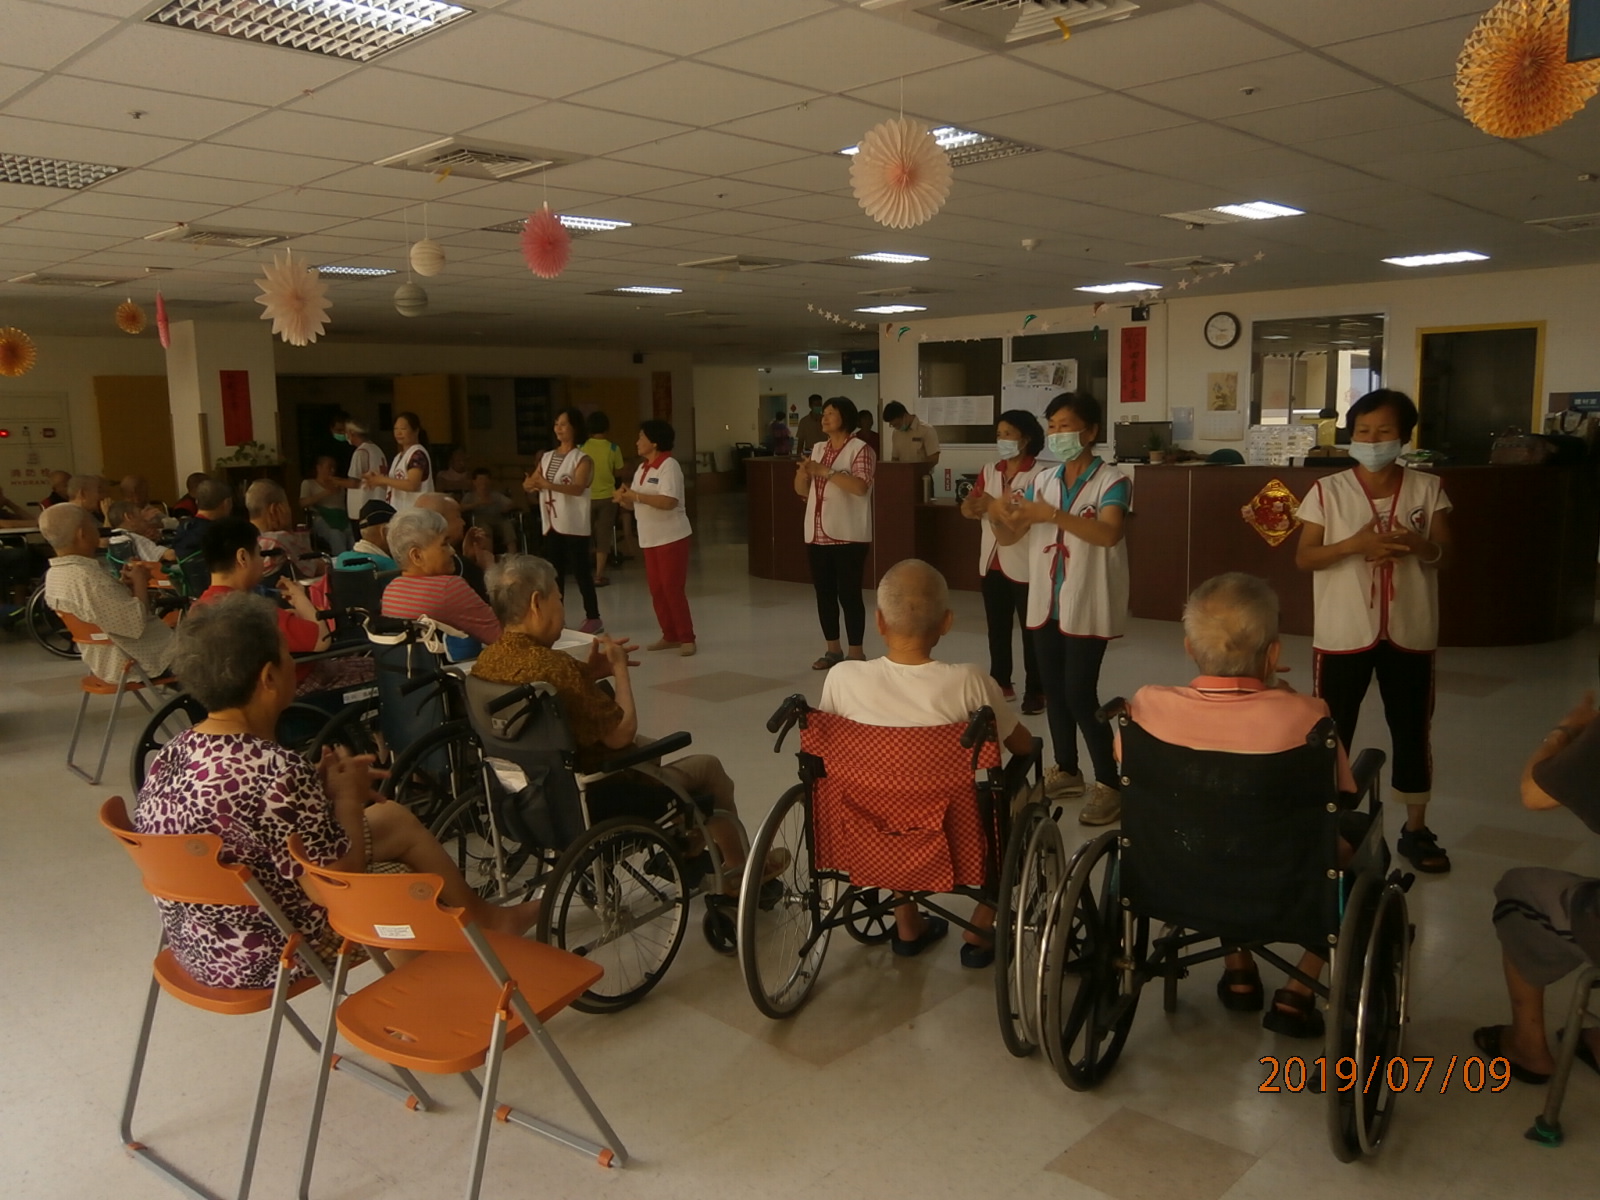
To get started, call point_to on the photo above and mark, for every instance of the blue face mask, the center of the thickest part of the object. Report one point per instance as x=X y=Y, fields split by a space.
x=1065 y=446
x=1007 y=447
x=1375 y=456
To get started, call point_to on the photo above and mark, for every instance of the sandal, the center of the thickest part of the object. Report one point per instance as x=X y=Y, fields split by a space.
x=1234 y=1000
x=1422 y=847
x=1488 y=1040
x=827 y=662
x=933 y=929
x=603 y=581
x=1297 y=1017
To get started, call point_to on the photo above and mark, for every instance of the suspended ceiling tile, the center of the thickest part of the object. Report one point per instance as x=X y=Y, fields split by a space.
x=167 y=185
x=323 y=137
x=727 y=193
x=43 y=35
x=1337 y=116
x=1439 y=92
x=397 y=98
x=643 y=212
x=1420 y=137
x=164 y=213
x=1271 y=83
x=1321 y=24
x=672 y=28
x=14 y=79
x=694 y=94
x=110 y=106
x=1165 y=147
x=612 y=178
x=730 y=223
x=327 y=203
x=390 y=181
x=257 y=166
x=967 y=92
x=49 y=139
x=1084 y=122
x=576 y=129
x=1044 y=172
x=827 y=173
x=1421 y=52
x=520 y=197
x=708 y=152
x=827 y=124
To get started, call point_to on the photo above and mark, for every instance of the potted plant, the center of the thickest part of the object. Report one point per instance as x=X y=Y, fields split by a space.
x=1157 y=448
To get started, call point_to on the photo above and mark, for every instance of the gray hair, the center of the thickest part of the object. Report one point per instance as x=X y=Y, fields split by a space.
x=913 y=598
x=211 y=495
x=119 y=511
x=80 y=484
x=412 y=530
x=514 y=581
x=1229 y=621
x=262 y=495
x=220 y=649
x=355 y=427
x=60 y=524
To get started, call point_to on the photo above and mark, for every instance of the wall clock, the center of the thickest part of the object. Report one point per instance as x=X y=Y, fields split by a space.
x=1222 y=330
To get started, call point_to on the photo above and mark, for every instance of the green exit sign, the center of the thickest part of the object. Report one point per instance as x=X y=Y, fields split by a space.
x=813 y=362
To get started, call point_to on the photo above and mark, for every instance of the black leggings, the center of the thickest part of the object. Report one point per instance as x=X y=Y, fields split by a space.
x=836 y=574
x=1405 y=681
x=567 y=552
x=1004 y=599
x=1070 y=670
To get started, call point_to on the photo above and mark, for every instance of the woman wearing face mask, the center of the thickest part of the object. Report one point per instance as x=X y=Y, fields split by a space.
x=1018 y=438
x=1071 y=518
x=1376 y=536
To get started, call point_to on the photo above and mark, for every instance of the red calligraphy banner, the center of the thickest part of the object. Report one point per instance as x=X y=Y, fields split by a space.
x=237 y=425
x=1133 y=364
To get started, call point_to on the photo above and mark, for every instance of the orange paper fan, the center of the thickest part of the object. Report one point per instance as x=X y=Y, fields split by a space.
x=130 y=317
x=17 y=353
x=1513 y=79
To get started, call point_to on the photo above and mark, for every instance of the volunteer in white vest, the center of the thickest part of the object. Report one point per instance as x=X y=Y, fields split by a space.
x=1004 y=569
x=836 y=482
x=560 y=487
x=411 y=470
x=1077 y=593
x=1376 y=537
x=656 y=500
x=367 y=459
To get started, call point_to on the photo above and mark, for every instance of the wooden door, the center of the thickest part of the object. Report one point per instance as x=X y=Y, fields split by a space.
x=136 y=431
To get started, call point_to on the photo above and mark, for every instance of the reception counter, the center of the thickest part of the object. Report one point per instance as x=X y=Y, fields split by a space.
x=1523 y=572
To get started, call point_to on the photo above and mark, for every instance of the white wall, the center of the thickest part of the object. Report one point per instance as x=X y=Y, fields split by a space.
x=200 y=351
x=1566 y=298
x=725 y=410
x=67 y=367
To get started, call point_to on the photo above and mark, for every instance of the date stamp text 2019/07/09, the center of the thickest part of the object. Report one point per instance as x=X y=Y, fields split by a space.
x=1472 y=1073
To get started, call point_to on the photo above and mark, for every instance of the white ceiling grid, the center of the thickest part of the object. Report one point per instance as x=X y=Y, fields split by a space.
x=714 y=126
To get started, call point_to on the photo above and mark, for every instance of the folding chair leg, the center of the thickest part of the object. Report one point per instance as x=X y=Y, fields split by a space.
x=409 y=1092
x=324 y=1068
x=1547 y=1125
x=280 y=1002
x=111 y=729
x=491 y=1083
x=72 y=746
x=610 y=1151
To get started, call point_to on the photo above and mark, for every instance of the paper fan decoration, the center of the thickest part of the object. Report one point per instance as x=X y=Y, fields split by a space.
x=295 y=300
x=1513 y=79
x=900 y=175
x=546 y=244
x=130 y=317
x=427 y=258
x=17 y=353
x=162 y=330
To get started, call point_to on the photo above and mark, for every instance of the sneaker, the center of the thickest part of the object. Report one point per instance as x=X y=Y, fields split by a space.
x=1009 y=692
x=1032 y=704
x=688 y=649
x=1104 y=807
x=1063 y=785
x=592 y=626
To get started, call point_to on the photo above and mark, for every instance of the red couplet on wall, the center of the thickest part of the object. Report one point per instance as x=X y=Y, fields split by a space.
x=661 y=395
x=1133 y=364
x=237 y=425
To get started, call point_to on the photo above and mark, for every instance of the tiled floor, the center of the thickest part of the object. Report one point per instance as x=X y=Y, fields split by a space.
x=892 y=1082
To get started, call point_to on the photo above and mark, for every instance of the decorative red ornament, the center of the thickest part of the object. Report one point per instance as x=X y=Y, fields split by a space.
x=129 y=317
x=17 y=353
x=546 y=244
x=162 y=331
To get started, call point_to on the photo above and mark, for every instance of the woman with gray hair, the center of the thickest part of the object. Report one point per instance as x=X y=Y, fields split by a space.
x=229 y=776
x=428 y=585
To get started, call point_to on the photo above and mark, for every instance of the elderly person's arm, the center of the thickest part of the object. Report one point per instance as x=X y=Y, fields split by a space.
x=460 y=606
x=1573 y=742
x=115 y=609
x=626 y=731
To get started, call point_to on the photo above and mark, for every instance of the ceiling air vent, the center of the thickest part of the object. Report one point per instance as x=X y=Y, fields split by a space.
x=47 y=279
x=355 y=29
x=475 y=159
x=903 y=291
x=1583 y=223
x=698 y=312
x=210 y=235
x=739 y=262
x=1013 y=22
x=1186 y=262
x=52 y=172
x=576 y=227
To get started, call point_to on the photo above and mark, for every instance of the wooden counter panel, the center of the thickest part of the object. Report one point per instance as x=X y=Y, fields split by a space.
x=1158 y=542
x=951 y=543
x=777 y=521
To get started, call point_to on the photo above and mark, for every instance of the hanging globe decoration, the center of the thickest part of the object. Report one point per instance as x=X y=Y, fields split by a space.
x=410 y=300
x=427 y=258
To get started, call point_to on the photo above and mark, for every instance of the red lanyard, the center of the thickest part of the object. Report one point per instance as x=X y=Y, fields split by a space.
x=1381 y=589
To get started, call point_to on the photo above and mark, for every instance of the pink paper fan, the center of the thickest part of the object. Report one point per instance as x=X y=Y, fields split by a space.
x=164 y=333
x=546 y=244
x=900 y=175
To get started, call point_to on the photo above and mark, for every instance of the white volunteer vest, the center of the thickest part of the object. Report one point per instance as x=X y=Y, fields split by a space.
x=417 y=456
x=559 y=512
x=1358 y=603
x=1013 y=559
x=1093 y=595
x=845 y=518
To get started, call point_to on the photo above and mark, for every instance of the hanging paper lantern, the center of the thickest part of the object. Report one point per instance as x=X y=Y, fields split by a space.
x=17 y=353
x=1513 y=79
x=130 y=317
x=900 y=175
x=427 y=258
x=546 y=244
x=295 y=300
x=410 y=300
x=162 y=330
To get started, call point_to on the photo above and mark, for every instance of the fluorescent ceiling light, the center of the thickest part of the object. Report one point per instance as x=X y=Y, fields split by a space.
x=353 y=29
x=52 y=172
x=361 y=272
x=965 y=146
x=887 y=256
x=888 y=310
x=641 y=290
x=1259 y=210
x=1434 y=260
x=1274 y=337
x=1109 y=289
x=592 y=224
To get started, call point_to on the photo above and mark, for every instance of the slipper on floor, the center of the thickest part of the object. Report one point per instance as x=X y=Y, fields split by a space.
x=827 y=662
x=975 y=957
x=933 y=929
x=1488 y=1040
x=1237 y=1001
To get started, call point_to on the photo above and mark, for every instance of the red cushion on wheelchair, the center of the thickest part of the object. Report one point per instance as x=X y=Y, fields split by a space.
x=897 y=808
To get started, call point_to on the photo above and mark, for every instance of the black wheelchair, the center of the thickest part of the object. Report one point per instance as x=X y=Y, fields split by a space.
x=879 y=816
x=1241 y=849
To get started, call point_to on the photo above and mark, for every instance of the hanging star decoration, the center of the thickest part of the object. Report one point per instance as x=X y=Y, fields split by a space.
x=900 y=175
x=295 y=299
x=546 y=244
x=1513 y=79
x=1197 y=277
x=835 y=317
x=17 y=353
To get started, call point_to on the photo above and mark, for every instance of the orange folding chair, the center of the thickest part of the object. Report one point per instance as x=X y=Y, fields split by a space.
x=187 y=868
x=458 y=1004
x=133 y=679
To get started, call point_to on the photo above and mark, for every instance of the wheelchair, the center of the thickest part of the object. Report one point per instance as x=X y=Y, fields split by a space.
x=1241 y=849
x=880 y=815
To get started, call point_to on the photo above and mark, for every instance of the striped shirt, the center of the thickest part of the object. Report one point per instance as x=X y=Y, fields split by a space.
x=445 y=598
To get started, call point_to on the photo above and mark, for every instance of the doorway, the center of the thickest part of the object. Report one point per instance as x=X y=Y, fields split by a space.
x=1476 y=382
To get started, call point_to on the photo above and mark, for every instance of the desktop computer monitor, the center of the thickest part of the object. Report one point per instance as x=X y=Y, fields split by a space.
x=1132 y=439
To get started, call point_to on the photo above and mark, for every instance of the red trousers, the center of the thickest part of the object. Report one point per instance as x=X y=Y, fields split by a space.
x=667 y=569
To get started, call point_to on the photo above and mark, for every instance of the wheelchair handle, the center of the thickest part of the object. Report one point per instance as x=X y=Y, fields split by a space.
x=982 y=722
x=422 y=681
x=787 y=711
x=1111 y=710
x=517 y=695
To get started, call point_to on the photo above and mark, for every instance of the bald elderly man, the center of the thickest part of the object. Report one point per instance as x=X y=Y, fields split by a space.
x=286 y=548
x=908 y=689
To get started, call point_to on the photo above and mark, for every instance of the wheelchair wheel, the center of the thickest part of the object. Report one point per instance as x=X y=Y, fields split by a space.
x=1032 y=869
x=355 y=727
x=869 y=916
x=176 y=715
x=618 y=897
x=783 y=931
x=299 y=725
x=48 y=629
x=1367 y=1014
x=439 y=770
x=1089 y=1002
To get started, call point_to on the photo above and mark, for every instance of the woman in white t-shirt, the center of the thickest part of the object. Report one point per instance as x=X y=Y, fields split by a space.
x=656 y=499
x=1376 y=537
x=560 y=486
x=411 y=470
x=1004 y=569
x=1077 y=593
x=836 y=481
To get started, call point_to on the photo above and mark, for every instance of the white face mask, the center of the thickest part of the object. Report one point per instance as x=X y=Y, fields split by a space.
x=1375 y=456
x=1065 y=446
x=1007 y=447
